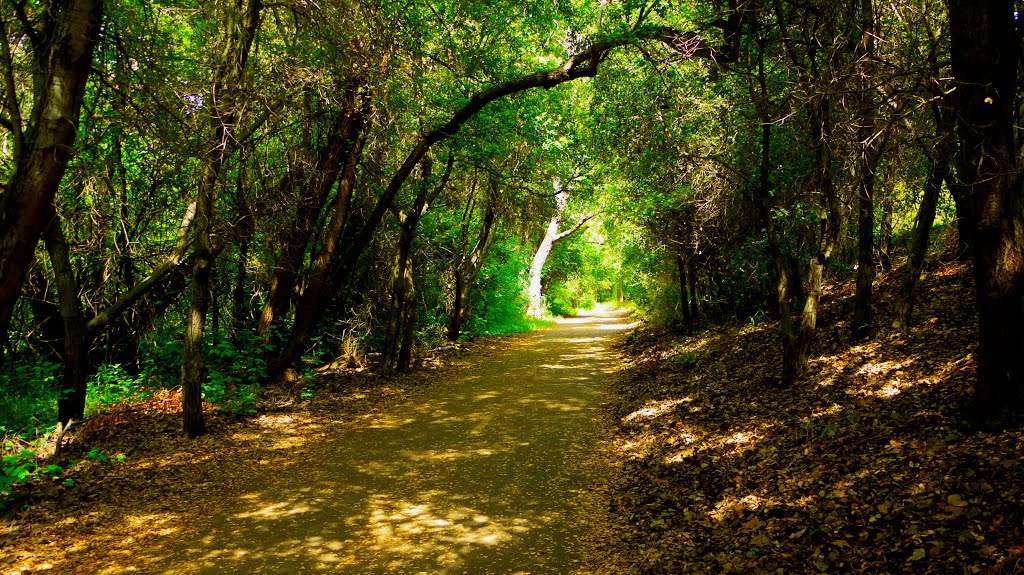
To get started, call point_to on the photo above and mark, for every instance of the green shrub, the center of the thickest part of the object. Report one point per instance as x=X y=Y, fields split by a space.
x=29 y=388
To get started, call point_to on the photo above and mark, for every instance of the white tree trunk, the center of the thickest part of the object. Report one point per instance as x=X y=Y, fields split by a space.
x=536 y=270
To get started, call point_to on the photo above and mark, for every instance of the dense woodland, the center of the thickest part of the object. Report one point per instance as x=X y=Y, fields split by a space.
x=217 y=196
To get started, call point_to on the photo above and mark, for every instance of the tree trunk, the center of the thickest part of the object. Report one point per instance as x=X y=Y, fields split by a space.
x=402 y=286
x=551 y=237
x=938 y=173
x=861 y=323
x=885 y=239
x=820 y=118
x=866 y=163
x=540 y=257
x=985 y=54
x=243 y=24
x=791 y=367
x=246 y=225
x=961 y=199
x=691 y=278
x=684 y=300
x=467 y=270
x=75 y=355
x=332 y=158
x=584 y=64
x=317 y=291
x=62 y=51
x=409 y=334
x=400 y=331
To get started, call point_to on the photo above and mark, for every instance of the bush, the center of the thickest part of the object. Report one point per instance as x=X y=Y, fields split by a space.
x=29 y=388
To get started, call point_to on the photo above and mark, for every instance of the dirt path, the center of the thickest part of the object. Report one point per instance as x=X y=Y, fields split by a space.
x=485 y=474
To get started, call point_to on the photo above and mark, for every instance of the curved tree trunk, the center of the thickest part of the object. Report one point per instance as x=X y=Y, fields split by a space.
x=403 y=285
x=318 y=290
x=939 y=172
x=551 y=237
x=581 y=65
x=540 y=257
x=62 y=50
x=345 y=132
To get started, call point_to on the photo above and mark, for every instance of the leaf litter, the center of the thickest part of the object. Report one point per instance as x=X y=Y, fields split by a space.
x=865 y=466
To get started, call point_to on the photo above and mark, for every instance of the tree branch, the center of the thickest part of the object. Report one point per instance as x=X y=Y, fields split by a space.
x=579 y=225
x=131 y=296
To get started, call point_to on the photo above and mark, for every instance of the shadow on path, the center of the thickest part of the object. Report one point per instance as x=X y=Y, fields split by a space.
x=483 y=474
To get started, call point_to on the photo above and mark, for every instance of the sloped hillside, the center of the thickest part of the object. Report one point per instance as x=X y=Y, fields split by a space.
x=864 y=467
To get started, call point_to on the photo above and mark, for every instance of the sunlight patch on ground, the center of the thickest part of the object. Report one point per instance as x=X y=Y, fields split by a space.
x=618 y=326
x=887 y=379
x=640 y=447
x=691 y=441
x=550 y=404
x=883 y=367
x=450 y=454
x=278 y=510
x=579 y=340
x=390 y=421
x=847 y=358
x=407 y=530
x=734 y=507
x=833 y=409
x=659 y=408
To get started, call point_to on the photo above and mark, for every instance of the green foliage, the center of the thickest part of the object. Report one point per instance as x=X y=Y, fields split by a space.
x=111 y=385
x=687 y=359
x=559 y=301
x=236 y=368
x=22 y=465
x=16 y=468
x=100 y=457
x=499 y=304
x=29 y=387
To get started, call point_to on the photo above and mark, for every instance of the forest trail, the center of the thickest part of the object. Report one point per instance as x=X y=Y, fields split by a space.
x=487 y=473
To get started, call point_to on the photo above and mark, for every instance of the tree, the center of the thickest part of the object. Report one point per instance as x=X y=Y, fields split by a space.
x=467 y=265
x=243 y=23
x=551 y=237
x=985 y=53
x=61 y=38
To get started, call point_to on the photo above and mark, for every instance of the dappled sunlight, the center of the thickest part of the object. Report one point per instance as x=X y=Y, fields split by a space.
x=390 y=421
x=553 y=404
x=582 y=340
x=619 y=326
x=487 y=473
x=833 y=409
x=734 y=507
x=448 y=483
x=451 y=454
x=654 y=410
